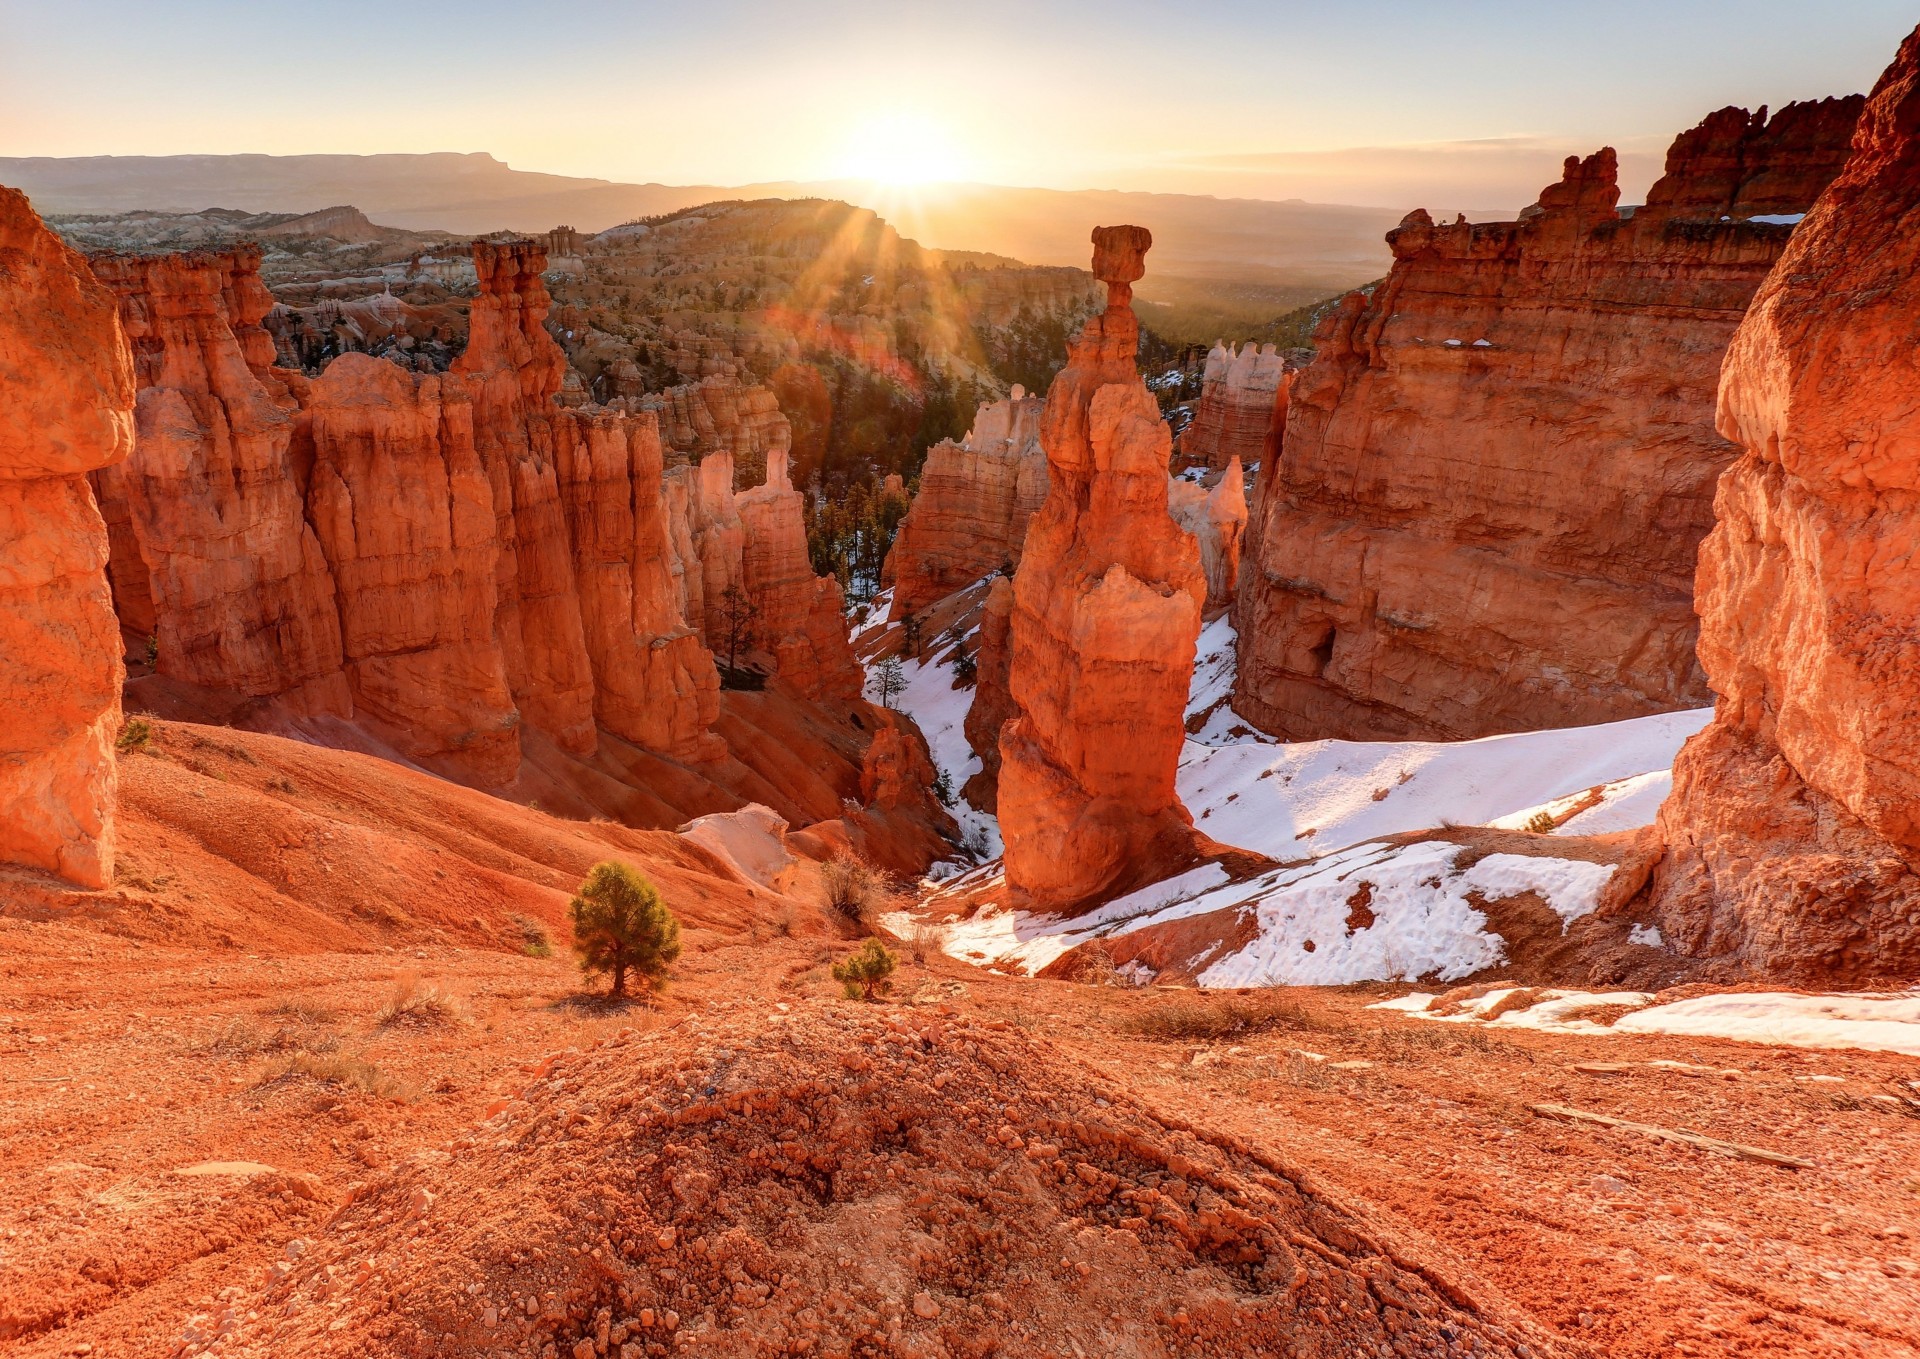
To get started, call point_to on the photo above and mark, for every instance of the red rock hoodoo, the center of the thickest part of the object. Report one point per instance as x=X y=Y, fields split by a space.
x=976 y=498
x=1499 y=467
x=1243 y=400
x=1106 y=609
x=66 y=408
x=1793 y=832
x=1217 y=519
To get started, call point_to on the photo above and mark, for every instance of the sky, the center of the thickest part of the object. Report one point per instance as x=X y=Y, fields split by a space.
x=1366 y=101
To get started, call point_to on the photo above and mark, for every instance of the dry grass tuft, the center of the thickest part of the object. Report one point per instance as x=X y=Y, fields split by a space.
x=341 y=1069
x=855 y=890
x=422 y=1004
x=1181 y=1019
x=928 y=940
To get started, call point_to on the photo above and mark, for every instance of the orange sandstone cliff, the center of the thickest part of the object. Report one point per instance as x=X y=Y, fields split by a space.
x=1793 y=831
x=1243 y=398
x=438 y=557
x=66 y=408
x=1498 y=469
x=976 y=498
x=1106 y=610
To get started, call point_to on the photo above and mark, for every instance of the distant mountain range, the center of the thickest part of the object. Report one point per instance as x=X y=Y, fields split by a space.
x=1225 y=259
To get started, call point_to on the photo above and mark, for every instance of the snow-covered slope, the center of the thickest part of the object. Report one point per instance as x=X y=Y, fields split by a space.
x=1320 y=808
x=1314 y=797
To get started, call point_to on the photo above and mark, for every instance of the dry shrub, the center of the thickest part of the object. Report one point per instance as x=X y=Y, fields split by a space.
x=854 y=889
x=420 y=1003
x=300 y=1030
x=341 y=1069
x=533 y=937
x=928 y=940
x=1184 y=1019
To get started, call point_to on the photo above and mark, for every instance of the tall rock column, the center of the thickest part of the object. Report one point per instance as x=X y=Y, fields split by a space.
x=798 y=617
x=1793 y=831
x=66 y=408
x=1106 y=611
x=655 y=684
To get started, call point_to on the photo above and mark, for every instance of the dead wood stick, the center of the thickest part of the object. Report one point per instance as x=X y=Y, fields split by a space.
x=1713 y=1144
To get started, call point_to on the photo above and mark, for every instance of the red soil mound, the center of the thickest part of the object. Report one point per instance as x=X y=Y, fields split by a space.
x=843 y=1181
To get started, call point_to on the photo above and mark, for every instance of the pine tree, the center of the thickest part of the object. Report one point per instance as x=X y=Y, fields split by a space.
x=620 y=924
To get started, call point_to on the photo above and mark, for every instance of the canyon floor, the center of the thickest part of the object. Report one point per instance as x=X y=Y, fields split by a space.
x=176 y=1114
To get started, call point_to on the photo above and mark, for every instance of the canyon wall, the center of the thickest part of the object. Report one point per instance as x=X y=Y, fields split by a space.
x=1499 y=466
x=975 y=500
x=1793 y=830
x=1243 y=400
x=1106 y=610
x=66 y=409
x=439 y=557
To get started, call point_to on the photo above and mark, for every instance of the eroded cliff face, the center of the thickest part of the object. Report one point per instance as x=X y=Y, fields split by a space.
x=1498 y=469
x=1793 y=831
x=439 y=557
x=975 y=500
x=213 y=558
x=1217 y=519
x=66 y=409
x=797 y=618
x=1106 y=609
x=1243 y=399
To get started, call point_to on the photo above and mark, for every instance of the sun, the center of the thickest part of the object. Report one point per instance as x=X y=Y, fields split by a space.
x=901 y=146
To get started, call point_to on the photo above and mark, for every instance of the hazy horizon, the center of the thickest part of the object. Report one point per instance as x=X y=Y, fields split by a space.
x=1382 y=104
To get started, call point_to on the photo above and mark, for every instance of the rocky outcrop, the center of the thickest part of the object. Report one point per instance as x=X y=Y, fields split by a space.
x=1217 y=519
x=720 y=413
x=213 y=558
x=1243 y=400
x=1106 y=610
x=66 y=409
x=1500 y=464
x=1793 y=831
x=976 y=498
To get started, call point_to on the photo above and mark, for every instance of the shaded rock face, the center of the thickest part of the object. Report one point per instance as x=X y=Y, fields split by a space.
x=66 y=409
x=439 y=557
x=740 y=569
x=213 y=558
x=976 y=498
x=1243 y=399
x=1217 y=519
x=1793 y=831
x=1106 y=609
x=992 y=707
x=1498 y=469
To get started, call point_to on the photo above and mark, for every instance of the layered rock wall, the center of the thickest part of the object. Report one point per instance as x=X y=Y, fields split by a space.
x=440 y=557
x=1793 y=831
x=1106 y=610
x=975 y=500
x=1499 y=467
x=1217 y=519
x=213 y=558
x=66 y=409
x=1243 y=399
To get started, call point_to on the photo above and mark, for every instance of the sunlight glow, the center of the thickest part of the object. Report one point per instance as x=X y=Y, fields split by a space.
x=901 y=146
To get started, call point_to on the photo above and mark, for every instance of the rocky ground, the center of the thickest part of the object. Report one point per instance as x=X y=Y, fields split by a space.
x=416 y=1139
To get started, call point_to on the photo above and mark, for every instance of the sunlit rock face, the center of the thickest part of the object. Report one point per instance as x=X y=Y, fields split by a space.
x=441 y=558
x=975 y=501
x=1498 y=469
x=1243 y=401
x=1106 y=608
x=1793 y=831
x=213 y=559
x=66 y=409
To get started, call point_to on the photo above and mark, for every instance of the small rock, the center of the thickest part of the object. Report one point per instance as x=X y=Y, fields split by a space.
x=925 y=1307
